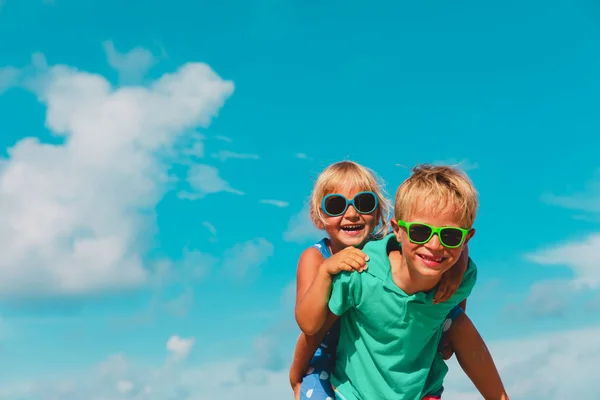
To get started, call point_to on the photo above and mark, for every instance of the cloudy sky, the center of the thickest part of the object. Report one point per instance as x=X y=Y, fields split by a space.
x=157 y=158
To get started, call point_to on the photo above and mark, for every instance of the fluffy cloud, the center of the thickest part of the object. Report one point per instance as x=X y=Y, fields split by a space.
x=203 y=180
x=74 y=213
x=550 y=367
x=587 y=200
x=582 y=256
x=179 y=347
x=133 y=65
x=529 y=368
x=244 y=259
x=301 y=229
x=276 y=203
x=9 y=76
x=224 y=155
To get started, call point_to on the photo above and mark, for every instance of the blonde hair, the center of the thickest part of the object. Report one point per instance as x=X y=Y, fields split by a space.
x=348 y=174
x=435 y=188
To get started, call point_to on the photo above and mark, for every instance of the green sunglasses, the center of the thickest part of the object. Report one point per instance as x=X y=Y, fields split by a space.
x=420 y=233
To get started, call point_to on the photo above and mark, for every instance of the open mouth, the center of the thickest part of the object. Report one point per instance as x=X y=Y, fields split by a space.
x=432 y=260
x=353 y=229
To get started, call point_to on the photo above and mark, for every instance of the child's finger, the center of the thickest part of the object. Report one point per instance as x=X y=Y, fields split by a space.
x=358 y=261
x=440 y=293
x=363 y=255
x=359 y=253
x=346 y=266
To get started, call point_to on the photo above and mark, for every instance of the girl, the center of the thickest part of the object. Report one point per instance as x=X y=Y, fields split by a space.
x=349 y=204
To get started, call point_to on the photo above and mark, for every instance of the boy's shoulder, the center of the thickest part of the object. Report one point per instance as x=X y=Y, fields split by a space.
x=382 y=245
x=378 y=251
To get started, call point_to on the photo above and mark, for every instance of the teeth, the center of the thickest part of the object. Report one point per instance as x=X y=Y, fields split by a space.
x=352 y=227
x=432 y=259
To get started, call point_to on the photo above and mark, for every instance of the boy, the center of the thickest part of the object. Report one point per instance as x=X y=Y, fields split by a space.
x=390 y=327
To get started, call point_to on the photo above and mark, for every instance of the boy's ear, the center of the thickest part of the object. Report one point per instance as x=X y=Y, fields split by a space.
x=397 y=230
x=469 y=235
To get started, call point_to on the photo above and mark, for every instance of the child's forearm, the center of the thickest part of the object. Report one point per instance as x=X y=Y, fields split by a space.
x=312 y=310
x=303 y=353
x=300 y=362
x=475 y=359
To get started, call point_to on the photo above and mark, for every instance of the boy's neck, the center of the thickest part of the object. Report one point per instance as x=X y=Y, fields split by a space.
x=409 y=281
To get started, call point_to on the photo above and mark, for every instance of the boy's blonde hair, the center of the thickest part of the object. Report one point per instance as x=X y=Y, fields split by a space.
x=348 y=174
x=434 y=189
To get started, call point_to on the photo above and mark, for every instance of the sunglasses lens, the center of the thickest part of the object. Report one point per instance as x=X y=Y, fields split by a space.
x=335 y=205
x=451 y=237
x=365 y=203
x=419 y=233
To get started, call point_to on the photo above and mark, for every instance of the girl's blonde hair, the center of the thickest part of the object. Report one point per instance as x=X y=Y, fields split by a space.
x=435 y=188
x=348 y=174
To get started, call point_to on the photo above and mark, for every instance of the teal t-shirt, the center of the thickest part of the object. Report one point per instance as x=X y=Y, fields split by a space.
x=388 y=345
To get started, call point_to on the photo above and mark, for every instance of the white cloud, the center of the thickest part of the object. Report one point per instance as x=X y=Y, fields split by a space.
x=276 y=203
x=288 y=296
x=180 y=305
x=203 y=180
x=582 y=256
x=125 y=386
x=223 y=138
x=196 y=264
x=133 y=65
x=9 y=77
x=587 y=200
x=224 y=155
x=196 y=147
x=548 y=298
x=245 y=258
x=530 y=367
x=301 y=229
x=75 y=214
x=180 y=348
x=211 y=228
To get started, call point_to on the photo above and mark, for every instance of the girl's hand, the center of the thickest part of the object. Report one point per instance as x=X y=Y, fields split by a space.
x=350 y=259
x=452 y=278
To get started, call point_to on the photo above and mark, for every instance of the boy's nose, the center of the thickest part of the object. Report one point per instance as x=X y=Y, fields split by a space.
x=434 y=243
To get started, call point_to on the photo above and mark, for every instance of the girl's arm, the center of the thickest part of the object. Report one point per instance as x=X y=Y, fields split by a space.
x=306 y=346
x=312 y=309
x=475 y=359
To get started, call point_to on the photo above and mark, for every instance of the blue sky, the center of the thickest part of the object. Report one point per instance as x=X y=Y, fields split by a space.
x=157 y=159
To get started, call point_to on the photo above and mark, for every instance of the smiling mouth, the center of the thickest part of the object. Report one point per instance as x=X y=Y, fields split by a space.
x=432 y=259
x=353 y=228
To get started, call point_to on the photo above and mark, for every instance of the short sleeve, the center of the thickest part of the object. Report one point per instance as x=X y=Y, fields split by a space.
x=342 y=292
x=467 y=284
